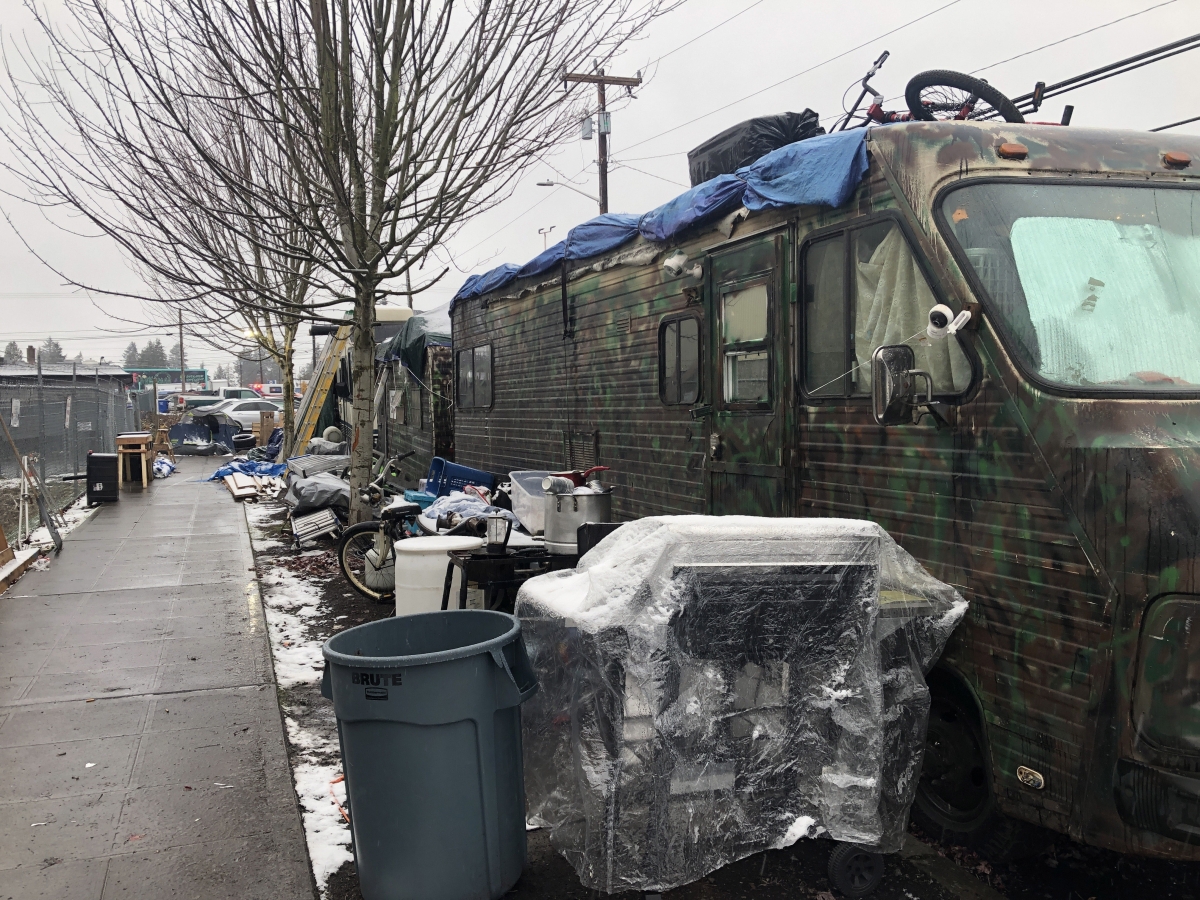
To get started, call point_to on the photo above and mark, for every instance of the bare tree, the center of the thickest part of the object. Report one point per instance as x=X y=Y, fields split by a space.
x=382 y=126
x=128 y=124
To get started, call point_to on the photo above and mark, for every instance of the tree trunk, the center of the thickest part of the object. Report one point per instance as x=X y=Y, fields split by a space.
x=362 y=374
x=289 y=397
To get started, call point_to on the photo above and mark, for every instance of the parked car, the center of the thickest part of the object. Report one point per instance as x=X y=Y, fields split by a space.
x=195 y=400
x=238 y=393
x=245 y=412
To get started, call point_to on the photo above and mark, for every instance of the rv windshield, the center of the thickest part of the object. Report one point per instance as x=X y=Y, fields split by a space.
x=1097 y=287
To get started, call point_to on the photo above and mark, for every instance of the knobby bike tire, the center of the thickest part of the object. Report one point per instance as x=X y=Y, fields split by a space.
x=349 y=537
x=977 y=86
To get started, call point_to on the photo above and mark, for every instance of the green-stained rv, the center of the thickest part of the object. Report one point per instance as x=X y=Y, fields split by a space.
x=1052 y=473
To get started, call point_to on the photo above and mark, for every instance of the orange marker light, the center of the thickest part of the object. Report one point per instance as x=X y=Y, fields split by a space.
x=1012 y=151
x=1176 y=159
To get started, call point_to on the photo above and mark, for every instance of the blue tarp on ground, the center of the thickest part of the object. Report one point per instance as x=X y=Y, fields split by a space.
x=822 y=170
x=248 y=467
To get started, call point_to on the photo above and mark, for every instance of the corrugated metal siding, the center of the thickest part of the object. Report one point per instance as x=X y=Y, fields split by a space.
x=603 y=379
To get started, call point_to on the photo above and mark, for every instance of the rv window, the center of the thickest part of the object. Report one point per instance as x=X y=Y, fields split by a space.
x=886 y=301
x=466 y=379
x=483 y=376
x=475 y=378
x=825 y=317
x=744 y=330
x=744 y=314
x=679 y=360
x=397 y=410
x=1095 y=287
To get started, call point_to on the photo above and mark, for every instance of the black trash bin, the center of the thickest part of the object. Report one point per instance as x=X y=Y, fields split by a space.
x=428 y=713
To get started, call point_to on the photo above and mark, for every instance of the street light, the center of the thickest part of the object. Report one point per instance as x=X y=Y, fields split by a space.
x=545 y=233
x=569 y=187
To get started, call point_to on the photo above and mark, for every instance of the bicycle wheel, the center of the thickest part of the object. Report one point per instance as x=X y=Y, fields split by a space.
x=368 y=560
x=940 y=94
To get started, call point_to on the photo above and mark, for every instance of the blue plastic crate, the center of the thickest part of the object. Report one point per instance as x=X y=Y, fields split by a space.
x=445 y=477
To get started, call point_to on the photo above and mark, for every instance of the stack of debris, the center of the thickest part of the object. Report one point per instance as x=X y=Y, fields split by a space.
x=250 y=480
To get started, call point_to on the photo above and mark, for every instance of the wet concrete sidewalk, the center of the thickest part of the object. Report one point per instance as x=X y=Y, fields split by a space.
x=141 y=744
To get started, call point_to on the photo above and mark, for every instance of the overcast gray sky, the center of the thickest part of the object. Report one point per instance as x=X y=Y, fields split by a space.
x=775 y=55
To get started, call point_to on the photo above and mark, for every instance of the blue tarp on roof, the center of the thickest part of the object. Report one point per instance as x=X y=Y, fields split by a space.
x=822 y=170
x=705 y=200
x=593 y=237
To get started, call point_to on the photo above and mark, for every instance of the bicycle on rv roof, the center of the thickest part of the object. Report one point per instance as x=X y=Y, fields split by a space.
x=935 y=95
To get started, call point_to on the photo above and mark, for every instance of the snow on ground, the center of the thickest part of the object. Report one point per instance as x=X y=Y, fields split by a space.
x=326 y=830
x=74 y=515
x=292 y=605
x=289 y=601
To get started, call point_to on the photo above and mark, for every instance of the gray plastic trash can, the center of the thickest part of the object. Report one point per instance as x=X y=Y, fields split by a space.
x=429 y=719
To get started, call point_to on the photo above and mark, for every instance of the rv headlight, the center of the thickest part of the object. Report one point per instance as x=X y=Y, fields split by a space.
x=1166 y=694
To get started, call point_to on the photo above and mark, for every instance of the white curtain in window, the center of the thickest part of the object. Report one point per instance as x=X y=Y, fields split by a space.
x=893 y=303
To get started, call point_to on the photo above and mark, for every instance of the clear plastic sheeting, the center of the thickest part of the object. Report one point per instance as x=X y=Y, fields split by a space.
x=714 y=687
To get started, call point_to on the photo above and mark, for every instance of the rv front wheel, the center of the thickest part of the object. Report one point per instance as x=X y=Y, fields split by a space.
x=954 y=802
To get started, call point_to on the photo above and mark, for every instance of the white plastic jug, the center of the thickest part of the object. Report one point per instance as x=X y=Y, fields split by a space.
x=421 y=572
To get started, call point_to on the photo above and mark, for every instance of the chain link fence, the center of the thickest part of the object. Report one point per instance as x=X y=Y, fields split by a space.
x=55 y=425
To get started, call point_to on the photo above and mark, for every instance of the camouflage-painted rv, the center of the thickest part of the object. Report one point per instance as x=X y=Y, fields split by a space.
x=1052 y=473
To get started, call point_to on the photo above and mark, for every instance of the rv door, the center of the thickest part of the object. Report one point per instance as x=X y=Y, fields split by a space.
x=745 y=428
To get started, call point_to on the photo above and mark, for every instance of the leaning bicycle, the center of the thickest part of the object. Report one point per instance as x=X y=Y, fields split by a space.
x=367 y=551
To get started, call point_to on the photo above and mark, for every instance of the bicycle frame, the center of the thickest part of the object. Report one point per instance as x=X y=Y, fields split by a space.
x=876 y=113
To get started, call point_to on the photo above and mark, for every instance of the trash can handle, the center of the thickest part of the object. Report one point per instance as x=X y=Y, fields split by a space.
x=501 y=659
x=326 y=683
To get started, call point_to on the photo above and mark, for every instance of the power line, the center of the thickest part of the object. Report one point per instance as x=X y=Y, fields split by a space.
x=1072 y=37
x=705 y=33
x=725 y=107
x=625 y=165
x=798 y=74
x=1177 y=124
x=1063 y=41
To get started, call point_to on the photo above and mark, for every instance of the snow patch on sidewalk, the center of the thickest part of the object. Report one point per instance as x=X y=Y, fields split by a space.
x=292 y=606
x=327 y=833
x=288 y=602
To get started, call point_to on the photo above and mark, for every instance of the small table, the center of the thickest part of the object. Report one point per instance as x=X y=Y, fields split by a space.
x=133 y=445
x=500 y=576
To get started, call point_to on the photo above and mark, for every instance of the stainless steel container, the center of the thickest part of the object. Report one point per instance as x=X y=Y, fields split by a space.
x=566 y=512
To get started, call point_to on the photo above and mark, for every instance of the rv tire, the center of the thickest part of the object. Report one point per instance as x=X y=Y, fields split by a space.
x=954 y=803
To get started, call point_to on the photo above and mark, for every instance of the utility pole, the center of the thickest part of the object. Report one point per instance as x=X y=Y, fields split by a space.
x=182 y=371
x=603 y=124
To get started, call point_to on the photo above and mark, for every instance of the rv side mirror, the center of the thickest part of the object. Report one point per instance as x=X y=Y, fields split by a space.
x=892 y=389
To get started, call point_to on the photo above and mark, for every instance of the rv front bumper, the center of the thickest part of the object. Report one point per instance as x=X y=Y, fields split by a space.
x=1158 y=801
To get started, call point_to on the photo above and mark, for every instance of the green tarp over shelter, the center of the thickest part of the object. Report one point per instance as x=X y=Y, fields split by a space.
x=428 y=328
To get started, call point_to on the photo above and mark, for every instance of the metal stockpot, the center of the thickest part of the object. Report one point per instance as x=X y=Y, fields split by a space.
x=566 y=512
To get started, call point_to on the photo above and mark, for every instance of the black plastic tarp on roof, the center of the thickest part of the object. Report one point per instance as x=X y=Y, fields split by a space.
x=745 y=142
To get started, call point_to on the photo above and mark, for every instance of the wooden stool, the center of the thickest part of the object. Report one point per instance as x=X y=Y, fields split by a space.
x=162 y=444
x=137 y=444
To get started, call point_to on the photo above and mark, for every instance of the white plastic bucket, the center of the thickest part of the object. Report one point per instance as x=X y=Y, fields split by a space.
x=421 y=572
x=528 y=499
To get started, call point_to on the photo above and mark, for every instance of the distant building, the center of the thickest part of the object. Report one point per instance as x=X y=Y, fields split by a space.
x=144 y=377
x=58 y=373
